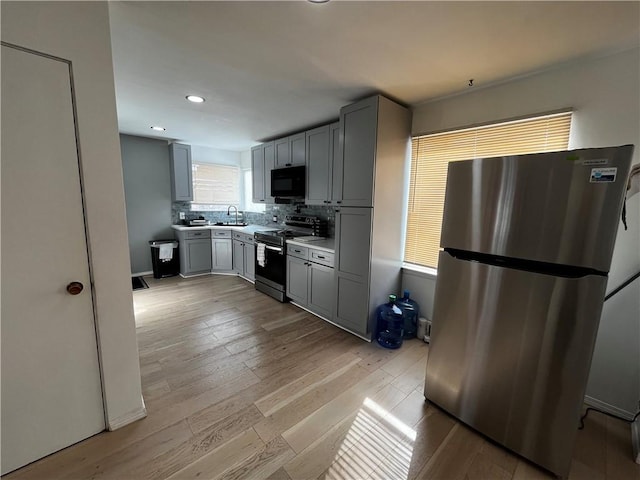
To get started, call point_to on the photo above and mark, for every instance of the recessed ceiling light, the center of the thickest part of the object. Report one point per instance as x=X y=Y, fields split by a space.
x=318 y=1
x=195 y=98
x=158 y=129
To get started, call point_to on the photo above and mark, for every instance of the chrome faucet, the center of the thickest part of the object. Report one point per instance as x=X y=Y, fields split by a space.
x=229 y=212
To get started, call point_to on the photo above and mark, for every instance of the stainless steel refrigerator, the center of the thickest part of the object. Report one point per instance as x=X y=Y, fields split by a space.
x=527 y=244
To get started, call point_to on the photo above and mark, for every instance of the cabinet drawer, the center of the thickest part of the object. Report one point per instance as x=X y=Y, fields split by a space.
x=297 y=251
x=221 y=233
x=248 y=238
x=321 y=257
x=198 y=234
x=238 y=236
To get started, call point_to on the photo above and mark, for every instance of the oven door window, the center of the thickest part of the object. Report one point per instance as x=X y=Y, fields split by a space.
x=275 y=268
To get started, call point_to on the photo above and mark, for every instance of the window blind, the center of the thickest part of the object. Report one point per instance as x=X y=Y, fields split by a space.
x=430 y=155
x=216 y=184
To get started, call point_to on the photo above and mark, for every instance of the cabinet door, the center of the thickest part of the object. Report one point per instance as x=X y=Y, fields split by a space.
x=321 y=294
x=181 y=173
x=282 y=153
x=221 y=255
x=335 y=165
x=297 y=285
x=298 y=149
x=318 y=162
x=353 y=242
x=238 y=257
x=358 y=131
x=352 y=265
x=351 y=309
x=198 y=255
x=258 y=173
x=269 y=163
x=250 y=261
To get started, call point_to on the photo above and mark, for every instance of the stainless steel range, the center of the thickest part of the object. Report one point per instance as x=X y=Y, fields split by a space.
x=271 y=253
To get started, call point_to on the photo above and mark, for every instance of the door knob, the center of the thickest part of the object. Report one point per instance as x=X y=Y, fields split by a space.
x=74 y=288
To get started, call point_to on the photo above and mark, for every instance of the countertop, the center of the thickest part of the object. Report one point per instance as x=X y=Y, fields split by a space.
x=326 y=244
x=249 y=229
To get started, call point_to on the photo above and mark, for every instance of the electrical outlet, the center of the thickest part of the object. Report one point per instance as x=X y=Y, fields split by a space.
x=275 y=218
x=182 y=216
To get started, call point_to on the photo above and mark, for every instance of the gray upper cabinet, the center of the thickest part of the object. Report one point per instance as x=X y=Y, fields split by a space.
x=318 y=166
x=324 y=167
x=335 y=183
x=257 y=173
x=283 y=153
x=290 y=151
x=297 y=146
x=358 y=124
x=181 y=173
x=262 y=162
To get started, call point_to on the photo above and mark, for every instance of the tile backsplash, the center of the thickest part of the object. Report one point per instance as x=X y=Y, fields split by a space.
x=266 y=218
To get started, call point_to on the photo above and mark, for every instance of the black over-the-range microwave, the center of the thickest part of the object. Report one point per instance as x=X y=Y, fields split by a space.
x=288 y=182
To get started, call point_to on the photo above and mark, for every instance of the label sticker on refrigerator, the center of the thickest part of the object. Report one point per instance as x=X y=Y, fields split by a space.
x=593 y=163
x=603 y=175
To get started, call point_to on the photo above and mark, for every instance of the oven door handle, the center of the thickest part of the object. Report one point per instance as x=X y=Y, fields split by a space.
x=269 y=247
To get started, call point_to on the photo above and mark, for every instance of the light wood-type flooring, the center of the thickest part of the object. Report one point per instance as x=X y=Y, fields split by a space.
x=238 y=385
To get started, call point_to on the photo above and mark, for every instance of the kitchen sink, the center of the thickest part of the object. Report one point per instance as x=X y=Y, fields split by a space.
x=231 y=224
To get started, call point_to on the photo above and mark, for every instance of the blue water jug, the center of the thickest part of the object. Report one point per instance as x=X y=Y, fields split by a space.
x=410 y=313
x=390 y=324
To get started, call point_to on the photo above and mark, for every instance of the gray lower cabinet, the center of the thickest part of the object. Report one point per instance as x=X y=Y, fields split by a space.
x=195 y=251
x=181 y=173
x=310 y=284
x=221 y=251
x=321 y=280
x=244 y=256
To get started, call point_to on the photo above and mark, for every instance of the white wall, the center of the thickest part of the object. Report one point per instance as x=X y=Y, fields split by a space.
x=605 y=96
x=79 y=31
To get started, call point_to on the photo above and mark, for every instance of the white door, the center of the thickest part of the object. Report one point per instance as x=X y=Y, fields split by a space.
x=51 y=391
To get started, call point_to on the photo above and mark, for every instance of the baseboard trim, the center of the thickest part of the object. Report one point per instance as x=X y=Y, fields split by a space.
x=140 y=274
x=127 y=418
x=635 y=439
x=605 y=407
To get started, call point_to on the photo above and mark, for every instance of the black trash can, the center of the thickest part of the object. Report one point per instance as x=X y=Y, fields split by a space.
x=167 y=264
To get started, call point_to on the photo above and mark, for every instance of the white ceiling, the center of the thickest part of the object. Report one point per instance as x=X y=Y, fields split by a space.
x=270 y=68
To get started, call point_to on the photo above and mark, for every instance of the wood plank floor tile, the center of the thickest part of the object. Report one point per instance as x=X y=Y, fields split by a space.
x=326 y=451
x=286 y=416
x=215 y=463
x=198 y=445
x=308 y=430
x=262 y=463
x=327 y=372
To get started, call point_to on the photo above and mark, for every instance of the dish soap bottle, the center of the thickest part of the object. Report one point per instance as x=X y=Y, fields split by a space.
x=390 y=324
x=410 y=313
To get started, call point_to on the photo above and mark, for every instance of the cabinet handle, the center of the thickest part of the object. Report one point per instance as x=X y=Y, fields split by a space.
x=338 y=201
x=287 y=164
x=320 y=257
